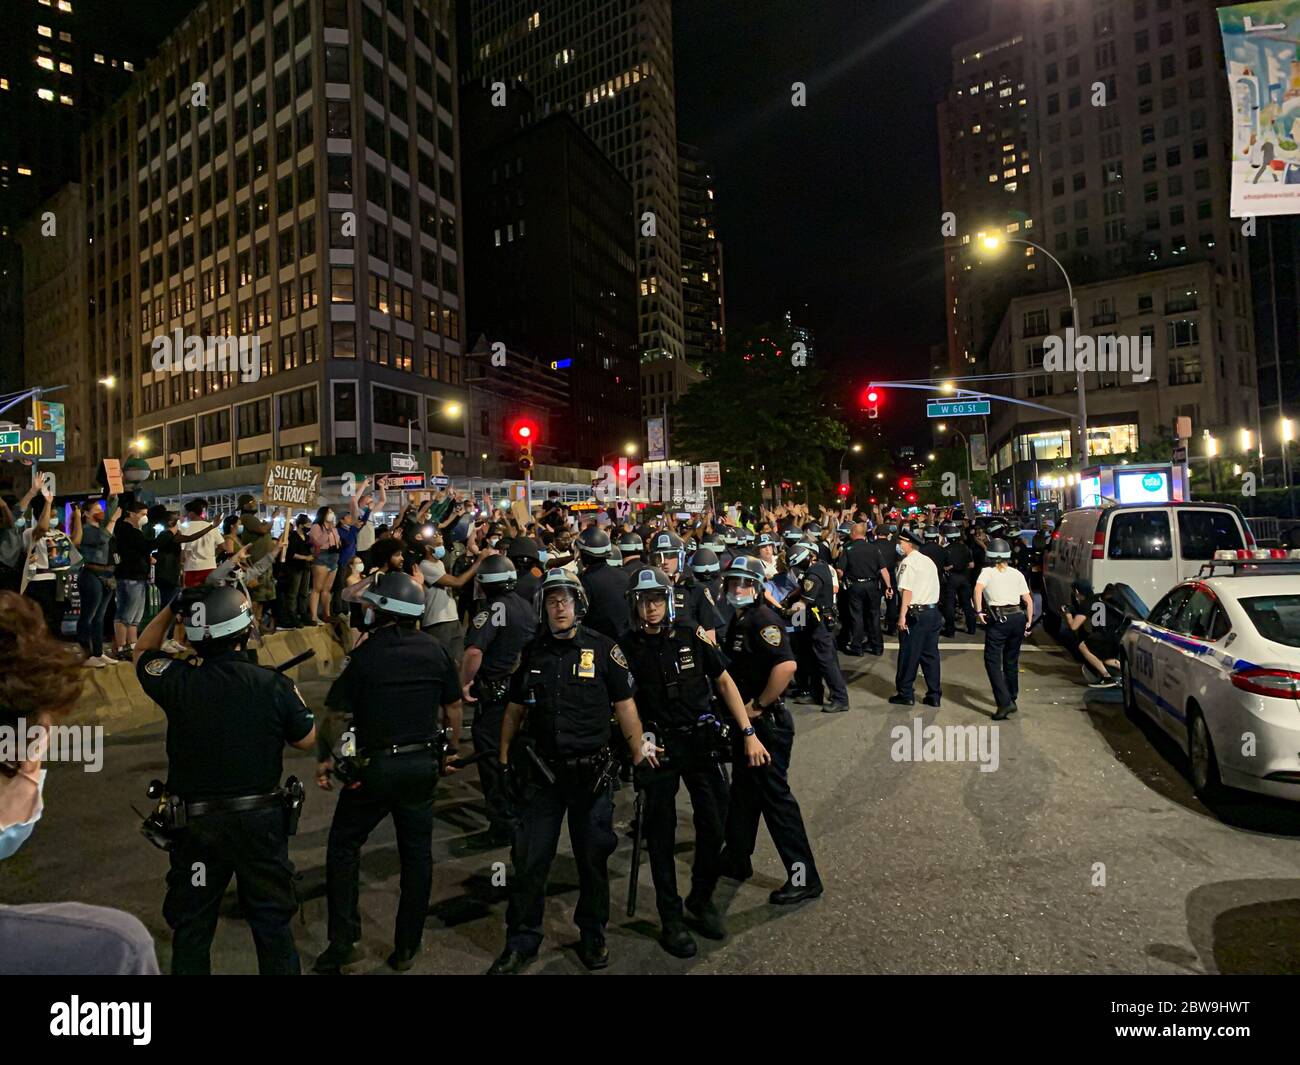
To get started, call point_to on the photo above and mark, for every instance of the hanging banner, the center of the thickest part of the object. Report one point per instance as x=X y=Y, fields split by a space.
x=656 y=433
x=1261 y=46
x=49 y=417
x=979 y=452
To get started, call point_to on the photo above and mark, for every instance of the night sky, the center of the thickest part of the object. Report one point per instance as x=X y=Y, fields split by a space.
x=835 y=204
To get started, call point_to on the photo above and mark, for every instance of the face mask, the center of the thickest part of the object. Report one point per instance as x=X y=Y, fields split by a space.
x=240 y=528
x=19 y=522
x=543 y=556
x=899 y=548
x=369 y=618
x=439 y=551
x=15 y=836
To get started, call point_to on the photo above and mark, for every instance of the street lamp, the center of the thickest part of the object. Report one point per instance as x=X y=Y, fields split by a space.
x=993 y=242
x=1246 y=438
x=108 y=382
x=630 y=448
x=929 y=457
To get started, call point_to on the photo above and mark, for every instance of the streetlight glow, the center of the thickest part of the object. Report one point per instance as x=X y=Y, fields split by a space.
x=452 y=410
x=1287 y=429
x=856 y=447
x=1211 y=446
x=1247 y=438
x=108 y=382
x=943 y=427
x=629 y=448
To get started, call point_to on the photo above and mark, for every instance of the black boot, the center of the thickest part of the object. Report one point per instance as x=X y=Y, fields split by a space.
x=705 y=918
x=676 y=940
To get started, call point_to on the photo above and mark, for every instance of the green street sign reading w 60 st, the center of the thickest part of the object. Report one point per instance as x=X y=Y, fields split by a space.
x=955 y=408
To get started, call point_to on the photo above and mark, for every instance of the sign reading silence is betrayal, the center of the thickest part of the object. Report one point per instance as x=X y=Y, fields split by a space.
x=291 y=484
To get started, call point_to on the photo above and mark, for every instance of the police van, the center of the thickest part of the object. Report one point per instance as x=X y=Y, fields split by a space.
x=1149 y=547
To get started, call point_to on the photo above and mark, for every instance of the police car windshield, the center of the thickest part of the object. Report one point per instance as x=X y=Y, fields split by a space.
x=1277 y=617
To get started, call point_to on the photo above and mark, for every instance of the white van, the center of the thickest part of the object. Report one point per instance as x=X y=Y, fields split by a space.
x=1149 y=547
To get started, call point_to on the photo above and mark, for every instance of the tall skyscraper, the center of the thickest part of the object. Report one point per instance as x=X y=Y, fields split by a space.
x=550 y=265
x=286 y=174
x=609 y=63
x=703 y=294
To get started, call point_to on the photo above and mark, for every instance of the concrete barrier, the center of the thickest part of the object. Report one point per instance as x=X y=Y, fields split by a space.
x=114 y=699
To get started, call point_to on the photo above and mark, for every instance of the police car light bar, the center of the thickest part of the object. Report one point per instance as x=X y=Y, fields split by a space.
x=1257 y=554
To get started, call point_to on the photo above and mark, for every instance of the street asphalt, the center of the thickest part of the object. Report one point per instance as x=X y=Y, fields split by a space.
x=1080 y=849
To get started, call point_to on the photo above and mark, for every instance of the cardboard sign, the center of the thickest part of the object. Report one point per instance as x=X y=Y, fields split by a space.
x=710 y=475
x=521 y=513
x=292 y=483
x=113 y=474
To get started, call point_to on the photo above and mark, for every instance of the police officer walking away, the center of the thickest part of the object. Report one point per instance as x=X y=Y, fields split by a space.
x=502 y=625
x=1006 y=607
x=918 y=623
x=957 y=589
x=560 y=764
x=227 y=723
x=401 y=689
x=672 y=665
x=761 y=664
x=866 y=577
x=606 y=586
x=811 y=605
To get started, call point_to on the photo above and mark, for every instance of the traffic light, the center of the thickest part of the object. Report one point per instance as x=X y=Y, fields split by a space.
x=524 y=432
x=870 y=402
x=911 y=497
x=904 y=483
x=844 y=490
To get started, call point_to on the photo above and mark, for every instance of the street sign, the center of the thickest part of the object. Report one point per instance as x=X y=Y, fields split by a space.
x=405 y=482
x=922 y=484
x=402 y=462
x=1179 y=456
x=27 y=444
x=710 y=475
x=439 y=481
x=955 y=408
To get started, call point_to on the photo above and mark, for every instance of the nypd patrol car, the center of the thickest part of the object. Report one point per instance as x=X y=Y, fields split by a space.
x=1216 y=664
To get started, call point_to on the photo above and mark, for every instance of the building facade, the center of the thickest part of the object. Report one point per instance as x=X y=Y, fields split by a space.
x=550 y=263
x=610 y=64
x=284 y=175
x=1177 y=313
x=703 y=291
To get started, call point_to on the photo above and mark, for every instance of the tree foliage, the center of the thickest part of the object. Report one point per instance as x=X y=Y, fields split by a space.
x=755 y=409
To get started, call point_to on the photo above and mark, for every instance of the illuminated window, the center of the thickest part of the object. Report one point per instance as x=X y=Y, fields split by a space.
x=25 y=171
x=1010 y=186
x=128 y=66
x=45 y=61
x=4 y=83
x=66 y=100
x=705 y=277
x=45 y=94
x=65 y=68
x=98 y=58
x=976 y=128
x=45 y=31
x=65 y=7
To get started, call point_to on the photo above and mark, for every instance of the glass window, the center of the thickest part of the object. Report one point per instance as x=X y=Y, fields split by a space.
x=1166 y=610
x=1276 y=617
x=1140 y=535
x=1203 y=532
x=1197 y=614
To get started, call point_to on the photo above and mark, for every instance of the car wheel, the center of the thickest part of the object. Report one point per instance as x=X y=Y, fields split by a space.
x=1201 y=757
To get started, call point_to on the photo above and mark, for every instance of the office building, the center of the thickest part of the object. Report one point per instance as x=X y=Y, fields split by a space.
x=703 y=294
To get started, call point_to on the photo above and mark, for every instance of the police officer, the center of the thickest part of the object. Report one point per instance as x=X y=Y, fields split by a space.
x=228 y=720
x=811 y=607
x=866 y=576
x=812 y=531
x=561 y=764
x=401 y=689
x=1006 y=607
x=528 y=558
x=761 y=663
x=632 y=548
x=887 y=549
x=933 y=549
x=692 y=601
x=672 y=665
x=706 y=568
x=502 y=625
x=605 y=586
x=957 y=590
x=918 y=623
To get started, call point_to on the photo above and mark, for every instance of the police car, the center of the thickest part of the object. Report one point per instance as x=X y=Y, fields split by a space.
x=1216 y=664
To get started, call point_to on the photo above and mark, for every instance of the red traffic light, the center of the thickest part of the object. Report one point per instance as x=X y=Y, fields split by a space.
x=872 y=500
x=844 y=490
x=524 y=431
x=911 y=497
x=873 y=396
x=869 y=401
x=905 y=483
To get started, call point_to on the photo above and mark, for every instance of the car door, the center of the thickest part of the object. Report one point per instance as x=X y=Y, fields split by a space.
x=1151 y=658
x=1187 y=665
x=1201 y=532
x=1139 y=553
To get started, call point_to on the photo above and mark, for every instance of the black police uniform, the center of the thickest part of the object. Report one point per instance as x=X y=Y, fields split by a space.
x=501 y=627
x=888 y=550
x=812 y=643
x=694 y=604
x=219 y=750
x=567 y=687
x=606 y=588
x=959 y=590
x=527 y=585
x=672 y=671
x=938 y=554
x=394 y=686
x=755 y=644
x=862 y=592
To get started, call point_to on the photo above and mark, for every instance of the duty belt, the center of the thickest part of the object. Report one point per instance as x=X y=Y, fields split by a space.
x=494 y=690
x=399 y=748
x=197 y=808
x=922 y=606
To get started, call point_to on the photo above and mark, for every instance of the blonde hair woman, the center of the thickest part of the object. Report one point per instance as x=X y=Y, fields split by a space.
x=1006 y=621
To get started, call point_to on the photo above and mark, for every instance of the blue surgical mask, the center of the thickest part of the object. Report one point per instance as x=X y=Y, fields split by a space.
x=898 y=548
x=439 y=551
x=542 y=556
x=15 y=836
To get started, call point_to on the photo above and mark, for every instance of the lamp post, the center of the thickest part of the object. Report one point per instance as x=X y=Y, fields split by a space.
x=992 y=243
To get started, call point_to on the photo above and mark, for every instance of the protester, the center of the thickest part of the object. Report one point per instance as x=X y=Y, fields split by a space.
x=12 y=525
x=40 y=680
x=326 y=545
x=92 y=533
x=49 y=562
x=298 y=558
x=254 y=532
x=200 y=539
x=135 y=541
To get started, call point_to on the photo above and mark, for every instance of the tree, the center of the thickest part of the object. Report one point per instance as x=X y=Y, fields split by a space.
x=762 y=418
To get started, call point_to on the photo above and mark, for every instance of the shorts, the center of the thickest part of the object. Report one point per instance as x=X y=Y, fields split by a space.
x=328 y=559
x=131 y=597
x=193 y=578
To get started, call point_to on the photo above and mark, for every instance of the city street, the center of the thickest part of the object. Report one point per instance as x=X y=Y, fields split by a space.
x=1084 y=851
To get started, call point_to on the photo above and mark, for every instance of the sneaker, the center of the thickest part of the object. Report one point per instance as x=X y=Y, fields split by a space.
x=1109 y=682
x=95 y=661
x=173 y=647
